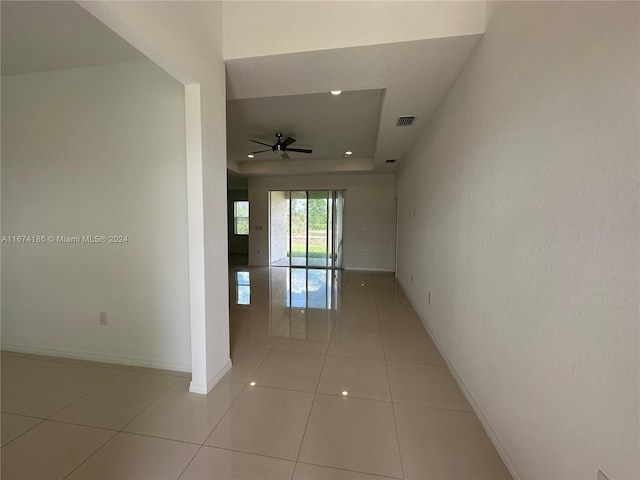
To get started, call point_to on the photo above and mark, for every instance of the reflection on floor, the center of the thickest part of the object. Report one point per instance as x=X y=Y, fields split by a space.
x=317 y=262
x=333 y=377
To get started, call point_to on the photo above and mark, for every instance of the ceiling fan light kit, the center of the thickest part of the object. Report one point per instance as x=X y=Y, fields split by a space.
x=280 y=147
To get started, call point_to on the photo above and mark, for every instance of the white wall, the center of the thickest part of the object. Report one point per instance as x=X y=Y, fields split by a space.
x=321 y=25
x=185 y=39
x=96 y=151
x=369 y=203
x=525 y=192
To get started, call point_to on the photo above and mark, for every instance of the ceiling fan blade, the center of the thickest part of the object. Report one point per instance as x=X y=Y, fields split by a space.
x=259 y=151
x=261 y=143
x=301 y=150
x=285 y=156
x=288 y=141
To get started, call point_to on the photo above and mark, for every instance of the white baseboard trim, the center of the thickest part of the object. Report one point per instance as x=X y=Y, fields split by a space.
x=196 y=387
x=465 y=391
x=201 y=388
x=96 y=357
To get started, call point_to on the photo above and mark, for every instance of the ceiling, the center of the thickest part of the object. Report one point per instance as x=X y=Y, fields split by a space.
x=290 y=94
x=42 y=36
x=330 y=125
x=287 y=93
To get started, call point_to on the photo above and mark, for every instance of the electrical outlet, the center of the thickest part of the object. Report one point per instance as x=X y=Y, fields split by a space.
x=102 y=318
x=602 y=476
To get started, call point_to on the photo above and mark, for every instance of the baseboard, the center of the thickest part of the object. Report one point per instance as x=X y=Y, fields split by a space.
x=495 y=440
x=201 y=388
x=96 y=357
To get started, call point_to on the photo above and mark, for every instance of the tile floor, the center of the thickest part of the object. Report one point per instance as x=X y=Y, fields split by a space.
x=299 y=339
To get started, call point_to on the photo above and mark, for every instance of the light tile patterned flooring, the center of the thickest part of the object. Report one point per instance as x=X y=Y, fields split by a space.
x=306 y=337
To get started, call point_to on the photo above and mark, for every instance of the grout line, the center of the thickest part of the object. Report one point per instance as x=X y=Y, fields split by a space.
x=328 y=394
x=86 y=394
x=377 y=359
x=27 y=430
x=250 y=453
x=386 y=366
x=116 y=371
x=119 y=431
x=23 y=415
x=82 y=425
x=347 y=470
x=91 y=454
x=66 y=422
x=361 y=399
x=324 y=363
x=284 y=389
x=235 y=399
x=158 y=397
x=224 y=414
x=125 y=425
x=190 y=462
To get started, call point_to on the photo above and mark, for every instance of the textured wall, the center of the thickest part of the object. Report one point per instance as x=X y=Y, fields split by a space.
x=519 y=213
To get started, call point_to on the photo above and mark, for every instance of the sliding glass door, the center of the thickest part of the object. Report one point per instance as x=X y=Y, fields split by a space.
x=338 y=206
x=320 y=229
x=306 y=228
x=298 y=227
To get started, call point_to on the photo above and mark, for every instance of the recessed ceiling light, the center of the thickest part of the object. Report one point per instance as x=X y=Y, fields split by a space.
x=249 y=156
x=345 y=393
x=336 y=92
x=348 y=152
x=253 y=384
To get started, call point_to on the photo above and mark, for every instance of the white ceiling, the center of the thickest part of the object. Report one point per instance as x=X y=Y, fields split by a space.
x=287 y=93
x=330 y=125
x=290 y=92
x=42 y=36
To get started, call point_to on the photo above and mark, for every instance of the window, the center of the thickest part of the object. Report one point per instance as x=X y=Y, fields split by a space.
x=243 y=288
x=241 y=217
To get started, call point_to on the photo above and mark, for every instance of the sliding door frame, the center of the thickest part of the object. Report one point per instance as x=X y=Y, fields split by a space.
x=331 y=228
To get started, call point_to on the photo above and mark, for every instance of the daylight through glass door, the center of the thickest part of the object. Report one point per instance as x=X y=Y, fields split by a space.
x=305 y=228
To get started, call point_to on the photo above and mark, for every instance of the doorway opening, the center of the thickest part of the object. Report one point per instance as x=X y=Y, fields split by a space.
x=305 y=228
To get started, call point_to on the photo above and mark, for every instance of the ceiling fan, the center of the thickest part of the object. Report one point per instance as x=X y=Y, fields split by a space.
x=281 y=147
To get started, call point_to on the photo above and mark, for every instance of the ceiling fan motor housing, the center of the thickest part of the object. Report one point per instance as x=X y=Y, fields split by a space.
x=281 y=146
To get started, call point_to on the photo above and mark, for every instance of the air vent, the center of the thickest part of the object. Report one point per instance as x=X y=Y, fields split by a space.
x=405 y=120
